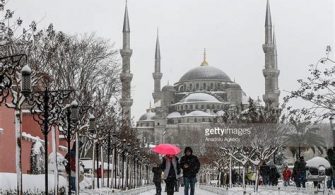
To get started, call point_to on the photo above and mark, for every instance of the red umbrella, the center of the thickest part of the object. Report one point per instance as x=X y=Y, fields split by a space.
x=166 y=149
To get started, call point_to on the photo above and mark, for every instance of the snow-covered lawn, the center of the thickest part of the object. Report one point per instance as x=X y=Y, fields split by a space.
x=30 y=183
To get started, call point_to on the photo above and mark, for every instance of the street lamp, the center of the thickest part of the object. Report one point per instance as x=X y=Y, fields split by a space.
x=46 y=107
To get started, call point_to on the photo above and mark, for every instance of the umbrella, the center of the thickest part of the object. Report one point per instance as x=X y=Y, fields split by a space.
x=166 y=149
x=317 y=162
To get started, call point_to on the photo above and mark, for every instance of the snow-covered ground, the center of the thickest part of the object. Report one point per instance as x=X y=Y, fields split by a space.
x=31 y=183
x=181 y=192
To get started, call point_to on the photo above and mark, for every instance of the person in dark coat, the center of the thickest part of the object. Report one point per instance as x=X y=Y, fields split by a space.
x=264 y=171
x=330 y=172
x=157 y=171
x=190 y=165
x=299 y=172
x=171 y=170
x=71 y=166
x=274 y=175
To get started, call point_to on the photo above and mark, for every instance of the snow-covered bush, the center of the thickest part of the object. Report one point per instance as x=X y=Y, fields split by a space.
x=37 y=158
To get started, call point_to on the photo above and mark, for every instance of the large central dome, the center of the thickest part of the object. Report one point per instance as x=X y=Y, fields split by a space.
x=205 y=73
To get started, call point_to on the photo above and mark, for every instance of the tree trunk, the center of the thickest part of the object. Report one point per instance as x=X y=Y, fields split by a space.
x=93 y=165
x=256 y=179
x=77 y=164
x=54 y=150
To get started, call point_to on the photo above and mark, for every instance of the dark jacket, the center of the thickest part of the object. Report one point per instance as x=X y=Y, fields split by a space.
x=264 y=170
x=171 y=173
x=193 y=165
x=157 y=174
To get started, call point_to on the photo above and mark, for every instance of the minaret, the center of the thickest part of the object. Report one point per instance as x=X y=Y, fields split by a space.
x=157 y=75
x=270 y=72
x=125 y=76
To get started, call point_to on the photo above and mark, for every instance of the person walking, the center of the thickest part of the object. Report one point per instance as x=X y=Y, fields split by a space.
x=331 y=172
x=190 y=165
x=264 y=171
x=171 y=169
x=286 y=175
x=157 y=179
x=299 y=172
x=71 y=166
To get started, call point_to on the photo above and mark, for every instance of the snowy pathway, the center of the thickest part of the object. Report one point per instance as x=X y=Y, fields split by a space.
x=181 y=192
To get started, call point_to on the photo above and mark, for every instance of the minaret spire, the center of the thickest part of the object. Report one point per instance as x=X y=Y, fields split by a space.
x=157 y=75
x=204 y=62
x=126 y=25
x=270 y=72
x=268 y=24
x=126 y=76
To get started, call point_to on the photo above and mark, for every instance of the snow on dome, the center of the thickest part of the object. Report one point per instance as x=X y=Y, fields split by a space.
x=220 y=113
x=199 y=97
x=168 y=88
x=317 y=162
x=173 y=115
x=149 y=116
x=198 y=113
x=245 y=98
x=205 y=73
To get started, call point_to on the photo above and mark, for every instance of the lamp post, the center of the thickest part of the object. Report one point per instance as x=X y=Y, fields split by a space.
x=127 y=164
x=331 y=119
x=115 y=157
x=46 y=107
x=70 y=120
x=92 y=131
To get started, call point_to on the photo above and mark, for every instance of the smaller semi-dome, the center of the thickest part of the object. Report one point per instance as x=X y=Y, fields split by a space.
x=174 y=115
x=168 y=88
x=198 y=113
x=220 y=113
x=149 y=116
x=199 y=97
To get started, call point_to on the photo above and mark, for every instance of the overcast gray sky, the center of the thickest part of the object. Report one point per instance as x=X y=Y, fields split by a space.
x=232 y=31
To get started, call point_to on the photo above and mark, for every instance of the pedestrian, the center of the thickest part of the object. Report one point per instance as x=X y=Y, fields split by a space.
x=273 y=175
x=157 y=171
x=171 y=169
x=265 y=173
x=190 y=165
x=286 y=175
x=331 y=173
x=299 y=172
x=71 y=166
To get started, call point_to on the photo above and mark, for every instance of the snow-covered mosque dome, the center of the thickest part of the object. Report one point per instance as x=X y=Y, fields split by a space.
x=148 y=116
x=200 y=97
x=205 y=73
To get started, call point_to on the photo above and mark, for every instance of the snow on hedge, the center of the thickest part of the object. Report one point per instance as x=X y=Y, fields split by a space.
x=31 y=183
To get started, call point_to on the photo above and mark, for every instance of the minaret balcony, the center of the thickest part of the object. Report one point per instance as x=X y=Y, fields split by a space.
x=126 y=52
x=268 y=48
x=271 y=72
x=157 y=75
x=126 y=102
x=126 y=77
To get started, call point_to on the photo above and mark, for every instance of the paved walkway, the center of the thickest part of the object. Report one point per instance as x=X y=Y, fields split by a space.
x=181 y=192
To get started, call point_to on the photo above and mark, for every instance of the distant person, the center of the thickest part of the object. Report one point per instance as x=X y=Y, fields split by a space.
x=331 y=172
x=190 y=165
x=265 y=173
x=287 y=174
x=71 y=166
x=273 y=175
x=157 y=179
x=171 y=169
x=299 y=172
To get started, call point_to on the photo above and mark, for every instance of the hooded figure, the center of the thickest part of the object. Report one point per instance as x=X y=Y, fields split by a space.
x=190 y=165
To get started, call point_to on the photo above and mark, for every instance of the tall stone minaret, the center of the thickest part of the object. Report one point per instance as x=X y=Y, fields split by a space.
x=270 y=72
x=157 y=75
x=125 y=76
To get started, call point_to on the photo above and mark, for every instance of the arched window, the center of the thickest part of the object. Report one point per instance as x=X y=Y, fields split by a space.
x=204 y=85
x=191 y=87
x=197 y=86
x=212 y=86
